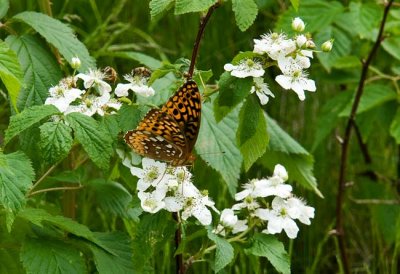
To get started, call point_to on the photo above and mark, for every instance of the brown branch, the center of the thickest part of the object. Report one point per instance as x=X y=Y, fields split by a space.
x=200 y=32
x=346 y=140
x=363 y=146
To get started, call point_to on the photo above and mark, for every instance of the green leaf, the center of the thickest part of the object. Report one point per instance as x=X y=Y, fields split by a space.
x=365 y=19
x=27 y=118
x=16 y=176
x=60 y=36
x=144 y=59
x=244 y=55
x=119 y=260
x=159 y=7
x=55 y=141
x=391 y=45
x=216 y=145
x=232 y=91
x=268 y=246
x=129 y=116
x=10 y=72
x=329 y=116
x=284 y=150
x=395 y=127
x=245 y=13
x=4 y=6
x=51 y=256
x=95 y=139
x=111 y=124
x=9 y=260
x=223 y=253
x=185 y=6
x=252 y=135
x=41 y=70
x=317 y=14
x=295 y=4
x=111 y=196
x=374 y=95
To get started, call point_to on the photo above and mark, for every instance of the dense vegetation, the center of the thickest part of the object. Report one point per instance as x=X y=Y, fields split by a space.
x=68 y=202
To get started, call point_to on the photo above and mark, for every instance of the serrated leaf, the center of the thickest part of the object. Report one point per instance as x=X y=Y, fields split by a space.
x=284 y=150
x=395 y=127
x=245 y=13
x=111 y=124
x=329 y=116
x=10 y=72
x=60 y=36
x=216 y=146
x=158 y=7
x=391 y=45
x=51 y=256
x=374 y=95
x=4 y=6
x=16 y=176
x=95 y=139
x=232 y=91
x=27 y=118
x=144 y=59
x=41 y=70
x=268 y=246
x=223 y=253
x=55 y=141
x=317 y=14
x=252 y=133
x=120 y=260
x=111 y=196
x=366 y=17
x=129 y=116
x=185 y=6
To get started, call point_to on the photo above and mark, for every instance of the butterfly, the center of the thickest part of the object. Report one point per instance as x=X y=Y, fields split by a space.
x=170 y=133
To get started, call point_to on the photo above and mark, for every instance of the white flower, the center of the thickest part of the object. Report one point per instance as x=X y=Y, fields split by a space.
x=261 y=90
x=75 y=63
x=152 y=173
x=298 y=24
x=280 y=172
x=275 y=45
x=297 y=81
x=245 y=68
x=90 y=105
x=299 y=210
x=229 y=222
x=278 y=218
x=228 y=218
x=289 y=64
x=241 y=225
x=61 y=96
x=137 y=84
x=95 y=79
x=198 y=207
x=152 y=201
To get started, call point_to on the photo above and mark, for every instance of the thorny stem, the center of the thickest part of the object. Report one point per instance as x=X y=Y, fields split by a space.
x=346 y=140
x=202 y=27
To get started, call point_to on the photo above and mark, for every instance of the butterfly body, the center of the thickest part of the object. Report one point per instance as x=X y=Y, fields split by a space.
x=170 y=133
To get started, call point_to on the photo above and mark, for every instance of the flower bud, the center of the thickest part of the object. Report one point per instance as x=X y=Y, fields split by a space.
x=327 y=46
x=310 y=44
x=301 y=40
x=75 y=63
x=298 y=24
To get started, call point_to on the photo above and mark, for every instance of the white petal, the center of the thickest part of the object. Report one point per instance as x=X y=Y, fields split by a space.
x=228 y=217
x=298 y=88
x=229 y=67
x=122 y=90
x=263 y=213
x=173 y=204
x=203 y=215
x=281 y=172
x=242 y=194
x=241 y=225
x=138 y=172
x=284 y=81
x=290 y=228
x=275 y=225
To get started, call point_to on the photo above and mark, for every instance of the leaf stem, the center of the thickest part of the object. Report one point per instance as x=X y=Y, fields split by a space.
x=200 y=32
x=55 y=189
x=345 y=146
x=41 y=178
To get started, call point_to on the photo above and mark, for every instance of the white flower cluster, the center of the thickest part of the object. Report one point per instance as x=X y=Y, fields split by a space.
x=96 y=94
x=292 y=56
x=279 y=215
x=161 y=187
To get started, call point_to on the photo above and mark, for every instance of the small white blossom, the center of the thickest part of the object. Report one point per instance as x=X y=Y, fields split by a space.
x=275 y=45
x=245 y=68
x=297 y=81
x=230 y=222
x=75 y=63
x=137 y=84
x=298 y=24
x=262 y=90
x=152 y=201
x=198 y=207
x=95 y=79
x=152 y=173
x=299 y=210
x=62 y=96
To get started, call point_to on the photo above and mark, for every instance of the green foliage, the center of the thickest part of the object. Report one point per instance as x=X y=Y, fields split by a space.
x=224 y=251
x=10 y=72
x=252 y=136
x=55 y=141
x=158 y=7
x=268 y=246
x=395 y=127
x=94 y=139
x=185 y=6
x=245 y=13
x=59 y=35
x=4 y=6
x=40 y=69
x=28 y=118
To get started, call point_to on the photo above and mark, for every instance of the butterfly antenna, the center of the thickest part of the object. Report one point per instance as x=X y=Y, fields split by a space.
x=200 y=32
